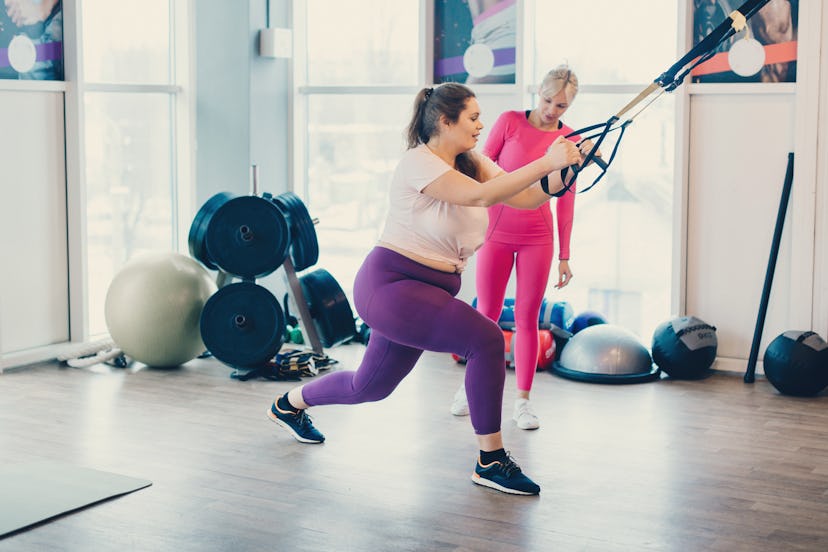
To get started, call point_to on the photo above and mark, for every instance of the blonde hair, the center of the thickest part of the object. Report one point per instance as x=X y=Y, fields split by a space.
x=557 y=79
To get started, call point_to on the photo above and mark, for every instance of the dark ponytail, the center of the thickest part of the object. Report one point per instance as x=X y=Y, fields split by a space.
x=446 y=100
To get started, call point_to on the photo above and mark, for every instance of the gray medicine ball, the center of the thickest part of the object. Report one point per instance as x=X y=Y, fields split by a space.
x=685 y=347
x=796 y=363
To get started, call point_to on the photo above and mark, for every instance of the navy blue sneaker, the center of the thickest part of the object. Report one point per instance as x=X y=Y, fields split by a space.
x=504 y=476
x=298 y=423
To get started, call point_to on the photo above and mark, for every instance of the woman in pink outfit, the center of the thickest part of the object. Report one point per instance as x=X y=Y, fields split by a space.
x=525 y=239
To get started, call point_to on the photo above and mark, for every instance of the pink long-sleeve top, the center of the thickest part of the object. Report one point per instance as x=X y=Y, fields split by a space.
x=512 y=143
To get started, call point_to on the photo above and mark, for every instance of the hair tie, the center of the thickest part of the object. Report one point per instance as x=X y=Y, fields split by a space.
x=428 y=93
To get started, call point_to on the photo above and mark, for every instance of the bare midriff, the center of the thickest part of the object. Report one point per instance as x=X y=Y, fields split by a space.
x=442 y=266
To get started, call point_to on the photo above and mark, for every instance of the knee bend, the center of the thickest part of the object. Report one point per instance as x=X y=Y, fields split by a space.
x=488 y=344
x=373 y=393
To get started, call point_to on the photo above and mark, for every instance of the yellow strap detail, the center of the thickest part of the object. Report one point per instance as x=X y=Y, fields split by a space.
x=739 y=20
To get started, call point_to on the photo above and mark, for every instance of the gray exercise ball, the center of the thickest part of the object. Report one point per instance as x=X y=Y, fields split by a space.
x=606 y=353
x=153 y=308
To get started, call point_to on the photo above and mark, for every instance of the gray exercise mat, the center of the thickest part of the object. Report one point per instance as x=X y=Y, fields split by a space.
x=34 y=492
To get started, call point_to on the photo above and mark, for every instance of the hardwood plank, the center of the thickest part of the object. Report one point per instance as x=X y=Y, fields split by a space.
x=670 y=465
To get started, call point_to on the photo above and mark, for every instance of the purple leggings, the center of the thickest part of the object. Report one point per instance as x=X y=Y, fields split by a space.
x=411 y=308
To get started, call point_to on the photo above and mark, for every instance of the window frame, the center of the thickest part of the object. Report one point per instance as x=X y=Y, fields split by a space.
x=182 y=41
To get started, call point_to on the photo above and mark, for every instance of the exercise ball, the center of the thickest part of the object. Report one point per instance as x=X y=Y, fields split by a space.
x=508 y=352
x=506 y=319
x=153 y=308
x=560 y=314
x=587 y=319
x=796 y=363
x=685 y=347
x=546 y=349
x=606 y=353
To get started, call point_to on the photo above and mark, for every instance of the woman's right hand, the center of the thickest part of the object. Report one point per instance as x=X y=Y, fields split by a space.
x=562 y=153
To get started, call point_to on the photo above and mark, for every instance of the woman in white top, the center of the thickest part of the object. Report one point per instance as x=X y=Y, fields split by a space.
x=405 y=290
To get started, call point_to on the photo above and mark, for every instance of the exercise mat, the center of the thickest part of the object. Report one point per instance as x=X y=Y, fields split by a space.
x=35 y=492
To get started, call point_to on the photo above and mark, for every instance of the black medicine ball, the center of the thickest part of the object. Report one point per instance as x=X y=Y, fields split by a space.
x=685 y=347
x=796 y=363
x=561 y=338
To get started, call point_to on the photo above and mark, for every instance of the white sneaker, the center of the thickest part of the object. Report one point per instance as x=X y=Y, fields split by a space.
x=524 y=415
x=460 y=405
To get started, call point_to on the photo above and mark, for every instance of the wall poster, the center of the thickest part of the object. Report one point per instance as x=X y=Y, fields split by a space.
x=31 y=40
x=474 y=41
x=764 y=52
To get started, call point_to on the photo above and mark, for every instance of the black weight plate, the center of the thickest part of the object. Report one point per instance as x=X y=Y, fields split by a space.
x=198 y=229
x=248 y=237
x=242 y=325
x=304 y=246
x=329 y=307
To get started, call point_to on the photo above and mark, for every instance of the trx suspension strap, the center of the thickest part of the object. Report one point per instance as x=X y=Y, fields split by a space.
x=666 y=82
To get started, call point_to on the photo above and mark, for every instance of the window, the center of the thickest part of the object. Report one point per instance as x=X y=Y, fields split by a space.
x=356 y=89
x=622 y=234
x=362 y=42
x=361 y=67
x=354 y=142
x=131 y=131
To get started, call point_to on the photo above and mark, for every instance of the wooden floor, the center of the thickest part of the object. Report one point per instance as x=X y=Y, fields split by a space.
x=712 y=465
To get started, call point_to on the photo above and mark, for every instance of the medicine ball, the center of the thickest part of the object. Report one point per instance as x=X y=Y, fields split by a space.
x=796 y=363
x=685 y=347
x=561 y=338
x=587 y=319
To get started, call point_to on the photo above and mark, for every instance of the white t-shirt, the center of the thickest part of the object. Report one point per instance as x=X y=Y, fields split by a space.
x=429 y=227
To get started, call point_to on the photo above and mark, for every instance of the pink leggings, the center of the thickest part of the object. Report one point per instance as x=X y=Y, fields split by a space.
x=532 y=264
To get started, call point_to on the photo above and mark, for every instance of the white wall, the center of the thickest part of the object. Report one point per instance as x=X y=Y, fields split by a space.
x=737 y=167
x=821 y=192
x=34 y=309
x=737 y=145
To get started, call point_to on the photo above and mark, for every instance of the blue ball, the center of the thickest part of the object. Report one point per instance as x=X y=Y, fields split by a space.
x=587 y=319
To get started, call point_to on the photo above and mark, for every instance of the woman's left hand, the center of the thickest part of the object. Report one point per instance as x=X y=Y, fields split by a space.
x=564 y=274
x=585 y=147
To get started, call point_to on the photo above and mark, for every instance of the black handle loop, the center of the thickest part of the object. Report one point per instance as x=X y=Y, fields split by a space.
x=606 y=127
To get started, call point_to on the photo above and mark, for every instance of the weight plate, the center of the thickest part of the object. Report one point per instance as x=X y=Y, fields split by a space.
x=248 y=236
x=329 y=307
x=198 y=229
x=304 y=246
x=242 y=325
